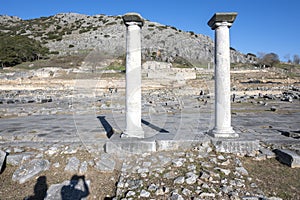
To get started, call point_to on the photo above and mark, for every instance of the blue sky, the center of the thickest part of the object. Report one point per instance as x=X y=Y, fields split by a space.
x=261 y=25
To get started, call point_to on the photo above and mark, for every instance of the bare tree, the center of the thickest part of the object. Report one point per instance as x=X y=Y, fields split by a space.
x=296 y=59
x=287 y=57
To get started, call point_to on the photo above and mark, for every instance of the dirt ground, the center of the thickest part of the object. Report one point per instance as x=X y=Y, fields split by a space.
x=102 y=185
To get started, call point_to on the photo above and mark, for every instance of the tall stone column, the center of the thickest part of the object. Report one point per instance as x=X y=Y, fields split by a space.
x=134 y=23
x=221 y=22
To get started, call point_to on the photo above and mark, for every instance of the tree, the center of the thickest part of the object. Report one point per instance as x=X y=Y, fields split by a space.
x=296 y=59
x=269 y=60
x=17 y=49
x=287 y=57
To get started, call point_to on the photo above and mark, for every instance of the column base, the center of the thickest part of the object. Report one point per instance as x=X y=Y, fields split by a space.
x=133 y=133
x=223 y=133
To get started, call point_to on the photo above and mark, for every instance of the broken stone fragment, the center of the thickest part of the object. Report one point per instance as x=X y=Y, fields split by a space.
x=288 y=157
x=65 y=190
x=106 y=163
x=30 y=169
x=72 y=165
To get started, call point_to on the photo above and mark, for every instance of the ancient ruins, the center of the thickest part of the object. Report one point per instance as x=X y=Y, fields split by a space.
x=158 y=129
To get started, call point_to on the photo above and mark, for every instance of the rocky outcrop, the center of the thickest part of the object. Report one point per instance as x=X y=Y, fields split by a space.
x=73 y=33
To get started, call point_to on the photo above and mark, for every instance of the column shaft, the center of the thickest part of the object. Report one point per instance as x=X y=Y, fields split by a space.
x=133 y=81
x=222 y=81
x=221 y=22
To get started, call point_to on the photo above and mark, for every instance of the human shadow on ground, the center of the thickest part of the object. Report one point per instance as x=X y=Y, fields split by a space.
x=70 y=192
x=40 y=189
x=161 y=130
x=108 y=128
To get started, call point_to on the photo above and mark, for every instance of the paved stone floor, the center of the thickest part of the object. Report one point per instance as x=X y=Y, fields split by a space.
x=179 y=117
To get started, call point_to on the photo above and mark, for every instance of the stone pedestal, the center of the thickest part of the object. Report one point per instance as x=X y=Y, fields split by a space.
x=134 y=23
x=221 y=22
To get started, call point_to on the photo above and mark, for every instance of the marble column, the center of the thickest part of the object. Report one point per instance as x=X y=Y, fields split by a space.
x=221 y=22
x=134 y=23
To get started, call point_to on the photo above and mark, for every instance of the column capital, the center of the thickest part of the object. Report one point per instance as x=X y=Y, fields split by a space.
x=133 y=19
x=222 y=19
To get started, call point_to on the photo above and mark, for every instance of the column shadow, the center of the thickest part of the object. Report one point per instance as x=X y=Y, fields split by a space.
x=40 y=189
x=108 y=128
x=161 y=130
x=3 y=167
x=70 y=192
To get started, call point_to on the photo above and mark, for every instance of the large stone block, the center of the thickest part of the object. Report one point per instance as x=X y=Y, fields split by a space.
x=243 y=147
x=170 y=145
x=288 y=157
x=130 y=146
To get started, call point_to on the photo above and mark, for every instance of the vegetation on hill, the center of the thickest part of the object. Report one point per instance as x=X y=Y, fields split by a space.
x=17 y=49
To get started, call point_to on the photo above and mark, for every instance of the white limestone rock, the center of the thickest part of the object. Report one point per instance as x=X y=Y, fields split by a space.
x=30 y=169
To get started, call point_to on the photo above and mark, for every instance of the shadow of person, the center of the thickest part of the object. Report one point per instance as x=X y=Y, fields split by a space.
x=71 y=192
x=40 y=189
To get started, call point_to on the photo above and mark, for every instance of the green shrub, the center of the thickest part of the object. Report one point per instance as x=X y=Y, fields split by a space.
x=17 y=49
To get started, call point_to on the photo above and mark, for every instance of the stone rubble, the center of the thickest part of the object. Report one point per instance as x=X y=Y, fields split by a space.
x=196 y=178
x=160 y=175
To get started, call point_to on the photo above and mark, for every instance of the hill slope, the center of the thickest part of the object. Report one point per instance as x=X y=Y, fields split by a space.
x=73 y=33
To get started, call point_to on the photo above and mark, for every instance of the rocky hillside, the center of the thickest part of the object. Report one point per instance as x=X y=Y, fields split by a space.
x=72 y=33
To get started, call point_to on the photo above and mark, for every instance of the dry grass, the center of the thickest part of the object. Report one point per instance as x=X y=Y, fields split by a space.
x=274 y=178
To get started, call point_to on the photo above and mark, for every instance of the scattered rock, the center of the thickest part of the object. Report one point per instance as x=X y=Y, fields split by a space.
x=176 y=196
x=106 y=163
x=191 y=178
x=76 y=188
x=152 y=187
x=179 y=180
x=225 y=171
x=130 y=194
x=144 y=193
x=207 y=195
x=268 y=153
x=178 y=162
x=242 y=171
x=273 y=108
x=72 y=165
x=17 y=159
x=30 y=169
x=83 y=167
x=52 y=150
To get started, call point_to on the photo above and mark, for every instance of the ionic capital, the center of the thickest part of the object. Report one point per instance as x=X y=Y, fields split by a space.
x=222 y=19
x=133 y=19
